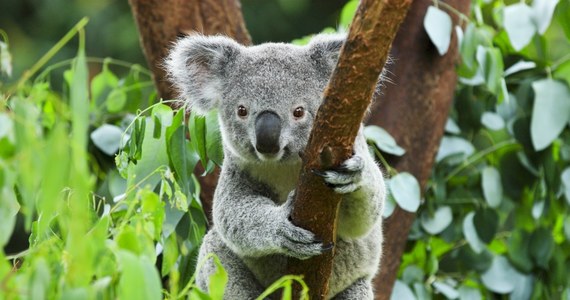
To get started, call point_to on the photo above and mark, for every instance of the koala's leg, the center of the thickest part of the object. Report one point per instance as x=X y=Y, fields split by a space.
x=241 y=282
x=359 y=290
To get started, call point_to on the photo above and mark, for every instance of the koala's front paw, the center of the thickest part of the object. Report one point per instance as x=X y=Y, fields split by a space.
x=300 y=243
x=347 y=178
x=296 y=241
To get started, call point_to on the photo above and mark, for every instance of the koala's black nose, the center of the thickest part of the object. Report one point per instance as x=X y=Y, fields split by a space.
x=267 y=132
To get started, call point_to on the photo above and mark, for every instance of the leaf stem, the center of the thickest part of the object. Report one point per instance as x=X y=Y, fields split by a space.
x=53 y=51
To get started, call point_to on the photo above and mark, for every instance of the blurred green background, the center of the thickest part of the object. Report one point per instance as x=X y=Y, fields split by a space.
x=33 y=26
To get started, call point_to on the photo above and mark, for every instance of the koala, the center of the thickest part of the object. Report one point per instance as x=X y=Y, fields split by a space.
x=267 y=97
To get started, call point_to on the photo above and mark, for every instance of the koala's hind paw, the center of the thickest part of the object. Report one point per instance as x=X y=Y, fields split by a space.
x=300 y=243
x=345 y=179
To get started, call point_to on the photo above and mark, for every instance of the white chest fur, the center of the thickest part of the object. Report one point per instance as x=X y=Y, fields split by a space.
x=279 y=176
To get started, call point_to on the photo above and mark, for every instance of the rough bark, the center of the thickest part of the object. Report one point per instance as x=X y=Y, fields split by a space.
x=336 y=125
x=160 y=22
x=414 y=110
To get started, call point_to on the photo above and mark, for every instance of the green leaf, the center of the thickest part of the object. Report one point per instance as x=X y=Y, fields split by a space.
x=139 y=278
x=567 y=228
x=383 y=140
x=565 y=179
x=492 y=187
x=469 y=293
x=519 y=24
x=520 y=66
x=562 y=72
x=501 y=277
x=197 y=128
x=127 y=239
x=107 y=138
x=493 y=70
x=541 y=247
x=40 y=280
x=218 y=281
x=518 y=250
x=523 y=287
x=401 y=291
x=389 y=204
x=5 y=60
x=347 y=13
x=214 y=149
x=471 y=235
x=116 y=100
x=452 y=127
x=9 y=208
x=486 y=223
x=492 y=120
x=550 y=113
x=454 y=145
x=406 y=191
x=543 y=11
x=563 y=17
x=102 y=84
x=438 y=222
x=448 y=291
x=412 y=273
x=438 y=25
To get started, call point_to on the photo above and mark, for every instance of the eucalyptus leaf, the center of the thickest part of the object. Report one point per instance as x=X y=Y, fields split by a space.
x=520 y=66
x=401 y=291
x=9 y=208
x=139 y=278
x=406 y=191
x=107 y=138
x=542 y=13
x=452 y=127
x=486 y=223
x=438 y=26
x=523 y=288
x=469 y=293
x=471 y=235
x=383 y=140
x=454 y=145
x=389 y=205
x=492 y=120
x=501 y=277
x=448 y=291
x=541 y=246
x=438 y=222
x=492 y=187
x=550 y=113
x=518 y=246
x=565 y=179
x=519 y=24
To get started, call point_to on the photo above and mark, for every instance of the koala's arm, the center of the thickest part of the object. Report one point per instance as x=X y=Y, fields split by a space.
x=361 y=183
x=361 y=209
x=252 y=225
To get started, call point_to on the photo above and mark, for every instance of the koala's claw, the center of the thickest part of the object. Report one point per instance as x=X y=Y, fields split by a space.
x=301 y=243
x=346 y=178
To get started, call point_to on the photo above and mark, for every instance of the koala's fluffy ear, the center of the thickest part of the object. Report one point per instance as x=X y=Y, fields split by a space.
x=196 y=65
x=324 y=50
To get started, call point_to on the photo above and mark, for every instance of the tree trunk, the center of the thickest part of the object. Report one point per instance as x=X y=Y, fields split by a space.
x=160 y=22
x=414 y=110
x=336 y=125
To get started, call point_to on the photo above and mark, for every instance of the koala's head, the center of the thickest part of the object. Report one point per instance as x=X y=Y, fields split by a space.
x=267 y=95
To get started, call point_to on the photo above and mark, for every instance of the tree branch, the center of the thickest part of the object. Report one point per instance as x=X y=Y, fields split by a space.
x=336 y=125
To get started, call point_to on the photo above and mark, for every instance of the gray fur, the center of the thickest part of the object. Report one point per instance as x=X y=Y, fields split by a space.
x=252 y=233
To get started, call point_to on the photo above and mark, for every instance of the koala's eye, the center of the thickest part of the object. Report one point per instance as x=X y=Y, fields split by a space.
x=299 y=112
x=242 y=111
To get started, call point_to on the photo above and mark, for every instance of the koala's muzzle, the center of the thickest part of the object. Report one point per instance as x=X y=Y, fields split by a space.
x=267 y=132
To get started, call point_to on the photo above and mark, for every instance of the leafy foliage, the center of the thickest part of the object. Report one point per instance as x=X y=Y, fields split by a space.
x=495 y=216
